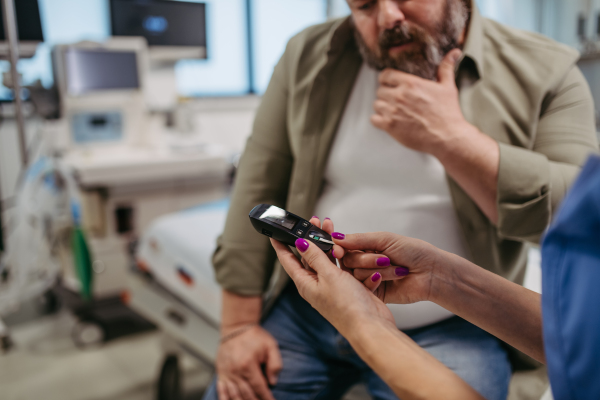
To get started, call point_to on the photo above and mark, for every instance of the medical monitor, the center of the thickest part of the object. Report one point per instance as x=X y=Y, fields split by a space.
x=90 y=70
x=173 y=29
x=29 y=28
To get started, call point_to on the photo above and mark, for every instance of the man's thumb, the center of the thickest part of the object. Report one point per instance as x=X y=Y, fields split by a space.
x=273 y=365
x=446 y=68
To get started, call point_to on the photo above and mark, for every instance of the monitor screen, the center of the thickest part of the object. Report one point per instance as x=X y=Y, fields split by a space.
x=162 y=23
x=93 y=70
x=28 y=21
x=279 y=217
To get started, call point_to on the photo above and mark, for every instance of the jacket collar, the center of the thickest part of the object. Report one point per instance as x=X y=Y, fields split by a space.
x=473 y=48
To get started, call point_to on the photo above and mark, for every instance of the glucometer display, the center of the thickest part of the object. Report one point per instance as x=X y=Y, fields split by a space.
x=286 y=227
x=280 y=217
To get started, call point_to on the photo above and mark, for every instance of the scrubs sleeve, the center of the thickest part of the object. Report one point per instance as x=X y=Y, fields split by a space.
x=570 y=291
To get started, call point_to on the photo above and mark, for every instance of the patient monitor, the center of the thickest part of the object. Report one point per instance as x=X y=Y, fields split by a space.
x=101 y=89
x=175 y=30
x=29 y=29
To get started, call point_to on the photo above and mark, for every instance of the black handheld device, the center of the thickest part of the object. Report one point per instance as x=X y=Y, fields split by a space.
x=286 y=227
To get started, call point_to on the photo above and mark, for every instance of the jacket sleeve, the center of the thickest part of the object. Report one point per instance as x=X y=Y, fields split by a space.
x=532 y=182
x=244 y=259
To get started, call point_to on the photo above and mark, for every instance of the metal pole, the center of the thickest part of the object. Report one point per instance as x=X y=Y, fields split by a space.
x=249 y=45
x=11 y=34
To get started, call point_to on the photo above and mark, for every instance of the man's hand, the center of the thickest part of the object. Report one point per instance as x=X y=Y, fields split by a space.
x=421 y=114
x=426 y=116
x=240 y=363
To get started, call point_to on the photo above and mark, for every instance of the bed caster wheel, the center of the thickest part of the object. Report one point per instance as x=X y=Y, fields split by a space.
x=6 y=344
x=48 y=303
x=87 y=334
x=169 y=381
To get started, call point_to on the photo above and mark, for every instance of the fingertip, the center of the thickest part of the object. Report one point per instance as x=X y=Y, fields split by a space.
x=302 y=245
x=401 y=271
x=337 y=251
x=375 y=277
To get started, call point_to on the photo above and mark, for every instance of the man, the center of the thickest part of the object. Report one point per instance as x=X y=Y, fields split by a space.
x=468 y=138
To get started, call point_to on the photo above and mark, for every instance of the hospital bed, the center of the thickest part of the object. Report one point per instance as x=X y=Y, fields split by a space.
x=173 y=285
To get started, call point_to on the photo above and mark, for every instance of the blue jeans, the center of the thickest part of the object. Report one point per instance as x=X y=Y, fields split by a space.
x=319 y=364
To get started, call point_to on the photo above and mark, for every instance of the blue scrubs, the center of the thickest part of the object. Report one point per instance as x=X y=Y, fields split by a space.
x=571 y=291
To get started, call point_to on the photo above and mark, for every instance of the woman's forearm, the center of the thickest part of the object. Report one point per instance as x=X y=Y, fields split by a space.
x=504 y=309
x=409 y=371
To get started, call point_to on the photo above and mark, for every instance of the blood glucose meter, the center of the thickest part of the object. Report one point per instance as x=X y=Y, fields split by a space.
x=286 y=227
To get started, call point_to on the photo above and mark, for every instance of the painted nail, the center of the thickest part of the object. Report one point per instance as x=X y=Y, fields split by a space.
x=301 y=245
x=383 y=262
x=401 y=271
x=337 y=235
x=328 y=218
x=314 y=216
x=332 y=253
x=376 y=276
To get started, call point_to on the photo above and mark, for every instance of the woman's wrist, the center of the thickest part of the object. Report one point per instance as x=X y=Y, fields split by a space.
x=446 y=270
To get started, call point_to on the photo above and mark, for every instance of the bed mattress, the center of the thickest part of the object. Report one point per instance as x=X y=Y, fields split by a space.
x=176 y=251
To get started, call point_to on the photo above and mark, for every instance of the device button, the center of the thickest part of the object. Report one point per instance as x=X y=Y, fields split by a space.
x=300 y=232
x=267 y=233
x=305 y=224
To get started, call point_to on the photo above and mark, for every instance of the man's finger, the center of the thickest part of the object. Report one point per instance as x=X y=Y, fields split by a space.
x=274 y=364
x=393 y=78
x=373 y=281
x=382 y=107
x=447 y=67
x=392 y=273
x=387 y=94
x=222 y=393
x=258 y=384
x=380 y=122
x=246 y=390
x=233 y=391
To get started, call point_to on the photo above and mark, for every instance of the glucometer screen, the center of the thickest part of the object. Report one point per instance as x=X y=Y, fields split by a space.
x=280 y=217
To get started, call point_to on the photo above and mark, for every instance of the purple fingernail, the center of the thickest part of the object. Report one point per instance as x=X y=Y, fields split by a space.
x=332 y=253
x=383 y=262
x=314 y=216
x=328 y=218
x=401 y=271
x=376 y=276
x=337 y=235
x=301 y=245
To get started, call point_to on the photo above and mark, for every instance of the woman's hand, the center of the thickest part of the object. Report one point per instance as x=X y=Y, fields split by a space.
x=406 y=265
x=336 y=294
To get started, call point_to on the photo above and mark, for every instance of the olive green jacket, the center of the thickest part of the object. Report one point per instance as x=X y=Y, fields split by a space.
x=521 y=89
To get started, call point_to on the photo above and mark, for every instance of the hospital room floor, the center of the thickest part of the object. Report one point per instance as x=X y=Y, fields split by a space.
x=45 y=364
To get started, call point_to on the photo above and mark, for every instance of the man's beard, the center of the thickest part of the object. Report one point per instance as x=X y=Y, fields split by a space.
x=428 y=50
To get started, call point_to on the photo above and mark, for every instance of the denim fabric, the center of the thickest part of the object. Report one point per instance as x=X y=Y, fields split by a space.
x=319 y=364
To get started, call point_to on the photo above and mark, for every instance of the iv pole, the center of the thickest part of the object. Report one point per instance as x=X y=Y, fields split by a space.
x=11 y=34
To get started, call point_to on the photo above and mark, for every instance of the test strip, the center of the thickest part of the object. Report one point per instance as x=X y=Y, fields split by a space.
x=320 y=239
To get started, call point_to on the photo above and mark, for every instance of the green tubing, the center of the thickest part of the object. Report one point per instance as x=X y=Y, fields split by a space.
x=82 y=261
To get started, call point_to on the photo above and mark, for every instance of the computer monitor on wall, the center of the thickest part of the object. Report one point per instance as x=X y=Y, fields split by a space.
x=29 y=29
x=174 y=29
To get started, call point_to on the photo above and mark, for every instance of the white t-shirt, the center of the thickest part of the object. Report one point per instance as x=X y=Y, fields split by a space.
x=373 y=183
